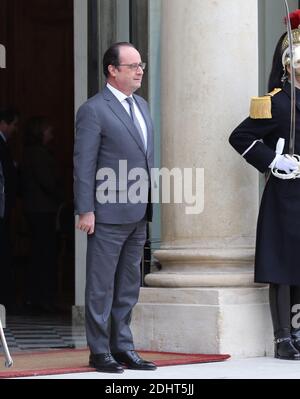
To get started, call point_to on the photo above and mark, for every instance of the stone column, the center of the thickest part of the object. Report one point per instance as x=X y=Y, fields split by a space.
x=81 y=94
x=209 y=73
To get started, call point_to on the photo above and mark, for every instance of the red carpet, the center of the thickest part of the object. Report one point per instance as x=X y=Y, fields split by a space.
x=76 y=361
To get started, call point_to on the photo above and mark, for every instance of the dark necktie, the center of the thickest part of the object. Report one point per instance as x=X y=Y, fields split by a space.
x=135 y=120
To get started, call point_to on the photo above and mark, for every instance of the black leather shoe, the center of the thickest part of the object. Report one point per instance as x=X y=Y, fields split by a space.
x=285 y=349
x=105 y=363
x=133 y=361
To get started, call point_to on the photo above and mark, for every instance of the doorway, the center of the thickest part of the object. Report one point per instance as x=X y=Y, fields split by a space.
x=39 y=81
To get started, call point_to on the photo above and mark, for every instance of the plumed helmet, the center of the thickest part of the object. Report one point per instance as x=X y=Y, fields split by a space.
x=285 y=50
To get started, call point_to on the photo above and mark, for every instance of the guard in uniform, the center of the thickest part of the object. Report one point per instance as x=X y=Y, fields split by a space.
x=263 y=140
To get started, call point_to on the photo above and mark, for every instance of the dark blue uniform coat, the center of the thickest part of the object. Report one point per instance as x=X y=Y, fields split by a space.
x=277 y=258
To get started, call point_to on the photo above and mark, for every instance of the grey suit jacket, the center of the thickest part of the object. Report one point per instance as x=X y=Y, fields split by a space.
x=105 y=134
x=2 y=194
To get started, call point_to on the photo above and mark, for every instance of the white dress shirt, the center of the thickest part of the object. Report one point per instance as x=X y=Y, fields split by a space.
x=122 y=98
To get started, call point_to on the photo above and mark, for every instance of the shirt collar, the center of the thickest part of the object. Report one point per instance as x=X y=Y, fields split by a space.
x=117 y=93
x=2 y=135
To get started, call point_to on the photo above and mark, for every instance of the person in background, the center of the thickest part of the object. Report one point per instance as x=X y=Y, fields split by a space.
x=9 y=118
x=42 y=196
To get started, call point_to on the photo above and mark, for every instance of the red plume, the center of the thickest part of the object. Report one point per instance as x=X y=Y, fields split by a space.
x=294 y=18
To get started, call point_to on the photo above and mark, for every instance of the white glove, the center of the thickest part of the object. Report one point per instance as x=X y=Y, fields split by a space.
x=285 y=163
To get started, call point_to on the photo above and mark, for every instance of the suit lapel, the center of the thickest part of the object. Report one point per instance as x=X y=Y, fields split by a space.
x=118 y=109
x=148 y=122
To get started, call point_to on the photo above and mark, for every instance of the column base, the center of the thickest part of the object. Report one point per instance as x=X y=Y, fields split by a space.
x=203 y=267
x=218 y=278
x=234 y=321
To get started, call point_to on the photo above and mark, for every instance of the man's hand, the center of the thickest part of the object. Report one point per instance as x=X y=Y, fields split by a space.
x=86 y=223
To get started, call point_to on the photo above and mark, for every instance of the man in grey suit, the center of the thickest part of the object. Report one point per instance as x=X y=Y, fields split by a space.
x=114 y=128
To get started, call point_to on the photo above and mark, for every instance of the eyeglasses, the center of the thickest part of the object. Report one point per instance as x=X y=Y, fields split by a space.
x=135 y=66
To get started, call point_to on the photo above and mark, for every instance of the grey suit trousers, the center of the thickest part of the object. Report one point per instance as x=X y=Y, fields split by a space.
x=114 y=254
